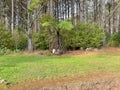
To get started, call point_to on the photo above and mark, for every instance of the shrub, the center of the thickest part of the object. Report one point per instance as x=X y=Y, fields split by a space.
x=89 y=35
x=6 y=40
x=5 y=51
x=69 y=39
x=20 y=40
x=40 y=41
x=48 y=53
x=83 y=36
x=114 y=40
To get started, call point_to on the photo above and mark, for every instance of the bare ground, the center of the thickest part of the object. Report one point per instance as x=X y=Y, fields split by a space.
x=93 y=81
x=72 y=53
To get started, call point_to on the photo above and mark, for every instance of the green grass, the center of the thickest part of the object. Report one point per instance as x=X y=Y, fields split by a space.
x=20 y=68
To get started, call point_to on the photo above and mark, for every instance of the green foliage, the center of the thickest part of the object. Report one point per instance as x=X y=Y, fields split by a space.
x=22 y=44
x=40 y=41
x=114 y=40
x=9 y=42
x=34 y=3
x=48 y=22
x=116 y=37
x=48 y=53
x=6 y=40
x=50 y=26
x=88 y=35
x=65 y=25
x=108 y=37
x=5 y=51
x=20 y=40
x=83 y=36
x=69 y=39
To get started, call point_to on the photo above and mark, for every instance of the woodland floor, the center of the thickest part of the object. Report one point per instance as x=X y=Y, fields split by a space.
x=102 y=80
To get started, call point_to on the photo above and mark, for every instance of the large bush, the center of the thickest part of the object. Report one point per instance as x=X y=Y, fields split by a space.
x=6 y=40
x=114 y=40
x=83 y=36
x=22 y=44
x=40 y=40
x=20 y=40
x=69 y=39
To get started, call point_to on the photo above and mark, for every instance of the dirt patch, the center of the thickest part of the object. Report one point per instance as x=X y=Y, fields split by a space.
x=73 y=53
x=81 y=53
x=93 y=52
x=111 y=49
x=94 y=81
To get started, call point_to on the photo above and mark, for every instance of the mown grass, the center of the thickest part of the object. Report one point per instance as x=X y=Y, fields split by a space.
x=20 y=68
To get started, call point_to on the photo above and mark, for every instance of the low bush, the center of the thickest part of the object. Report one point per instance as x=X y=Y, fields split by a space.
x=40 y=40
x=5 y=51
x=114 y=40
x=22 y=44
x=83 y=36
x=20 y=40
x=6 y=40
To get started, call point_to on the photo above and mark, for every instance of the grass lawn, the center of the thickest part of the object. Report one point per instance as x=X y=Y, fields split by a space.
x=20 y=68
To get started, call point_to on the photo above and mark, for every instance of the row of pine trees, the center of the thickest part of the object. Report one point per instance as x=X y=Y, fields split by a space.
x=27 y=15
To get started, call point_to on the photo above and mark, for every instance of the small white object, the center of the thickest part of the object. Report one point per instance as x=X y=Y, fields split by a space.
x=89 y=49
x=2 y=81
x=53 y=51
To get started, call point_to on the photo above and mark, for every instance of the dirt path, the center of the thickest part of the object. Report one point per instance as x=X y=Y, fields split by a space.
x=95 y=81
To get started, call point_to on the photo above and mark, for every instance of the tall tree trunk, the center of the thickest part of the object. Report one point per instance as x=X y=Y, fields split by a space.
x=103 y=21
x=95 y=7
x=81 y=10
x=85 y=11
x=109 y=12
x=29 y=32
x=117 y=22
x=59 y=49
x=112 y=18
x=12 y=18
x=72 y=11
